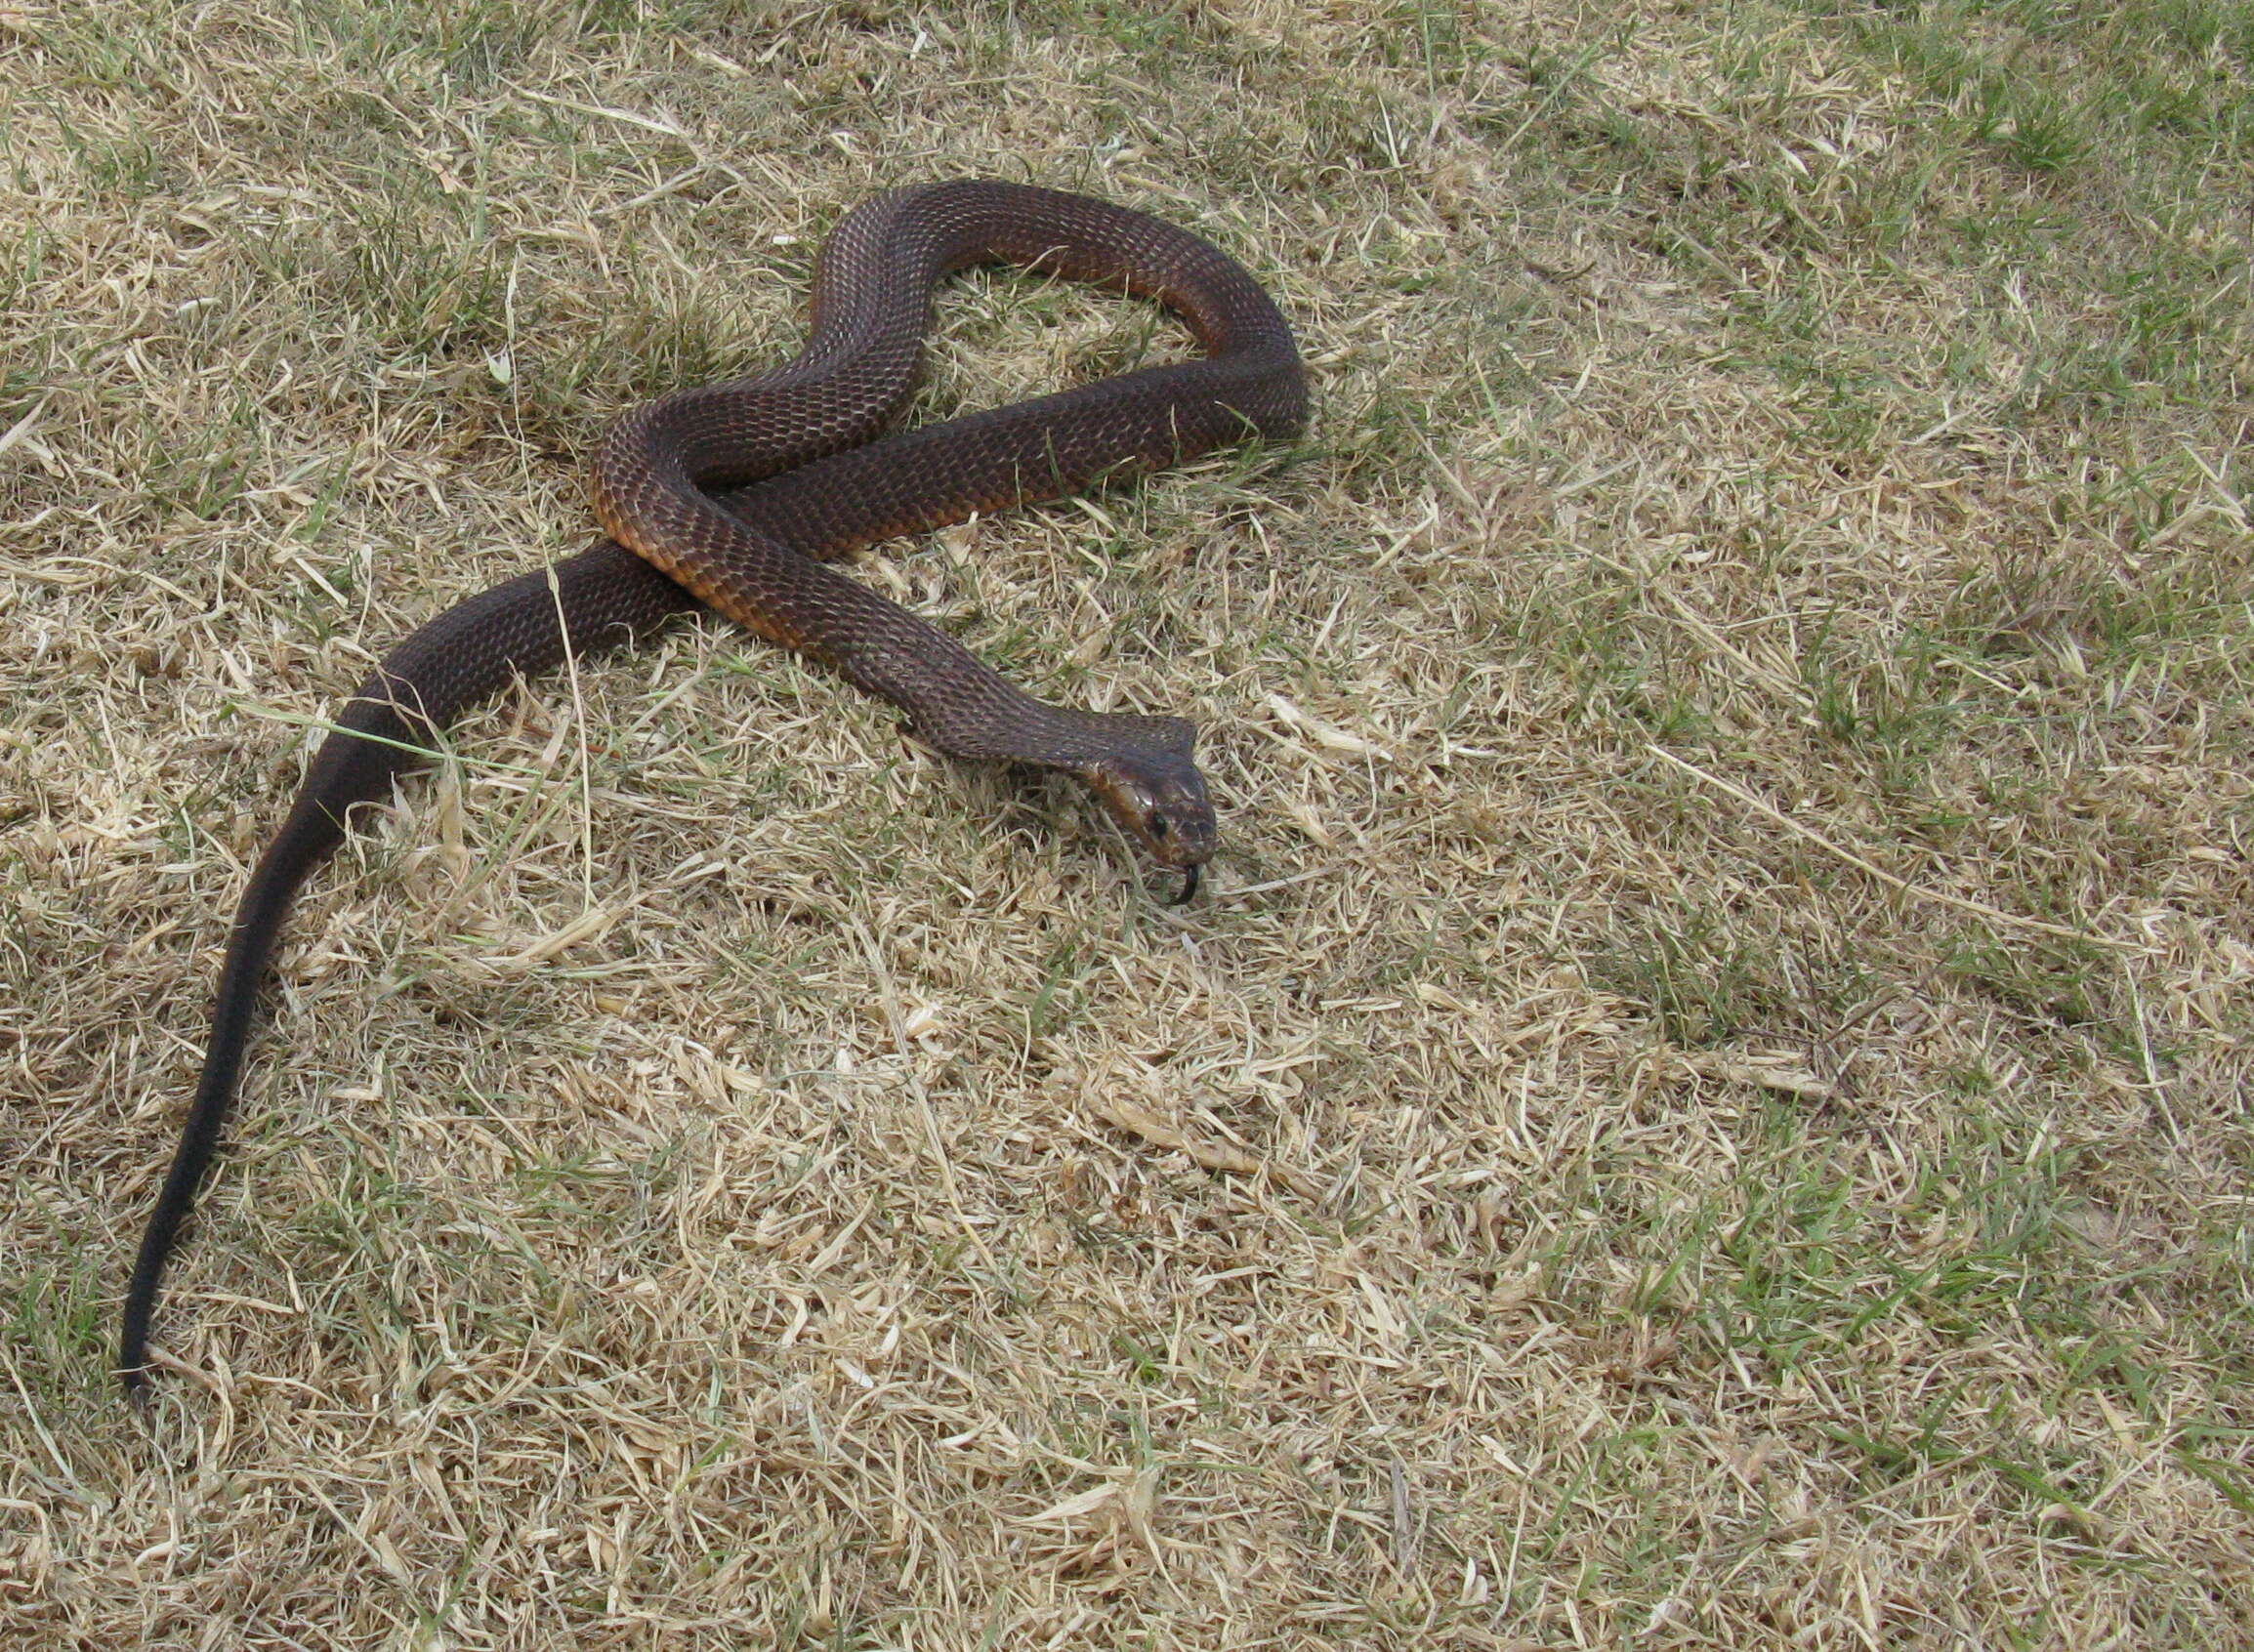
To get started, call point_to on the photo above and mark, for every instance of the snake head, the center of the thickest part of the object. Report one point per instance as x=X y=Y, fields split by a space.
x=1159 y=798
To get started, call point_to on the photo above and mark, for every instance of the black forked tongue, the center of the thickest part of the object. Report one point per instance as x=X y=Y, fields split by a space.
x=1188 y=887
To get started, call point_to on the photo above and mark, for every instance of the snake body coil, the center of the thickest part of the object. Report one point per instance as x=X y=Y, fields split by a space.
x=806 y=482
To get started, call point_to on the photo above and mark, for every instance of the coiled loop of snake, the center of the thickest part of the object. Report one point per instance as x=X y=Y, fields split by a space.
x=873 y=308
x=735 y=494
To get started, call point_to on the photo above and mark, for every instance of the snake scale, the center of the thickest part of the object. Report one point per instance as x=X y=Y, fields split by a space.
x=734 y=495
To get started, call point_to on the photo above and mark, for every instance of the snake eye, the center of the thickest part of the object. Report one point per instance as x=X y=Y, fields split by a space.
x=1160 y=826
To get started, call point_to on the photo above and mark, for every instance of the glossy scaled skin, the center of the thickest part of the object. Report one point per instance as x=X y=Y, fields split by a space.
x=873 y=308
x=809 y=484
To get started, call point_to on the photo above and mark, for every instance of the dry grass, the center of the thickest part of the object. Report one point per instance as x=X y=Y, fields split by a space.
x=1708 y=1108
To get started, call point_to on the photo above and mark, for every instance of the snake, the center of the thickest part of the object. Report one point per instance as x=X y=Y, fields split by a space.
x=735 y=496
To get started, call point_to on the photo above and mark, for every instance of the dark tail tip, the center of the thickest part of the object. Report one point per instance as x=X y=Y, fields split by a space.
x=133 y=1370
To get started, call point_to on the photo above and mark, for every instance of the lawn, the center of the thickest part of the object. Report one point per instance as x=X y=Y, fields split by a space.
x=1705 y=1103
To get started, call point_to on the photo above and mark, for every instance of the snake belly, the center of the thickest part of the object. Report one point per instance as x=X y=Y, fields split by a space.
x=734 y=495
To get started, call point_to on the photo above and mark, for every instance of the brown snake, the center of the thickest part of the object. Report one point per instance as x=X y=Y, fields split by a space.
x=806 y=482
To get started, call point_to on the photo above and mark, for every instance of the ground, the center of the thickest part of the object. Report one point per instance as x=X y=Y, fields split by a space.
x=1705 y=1104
